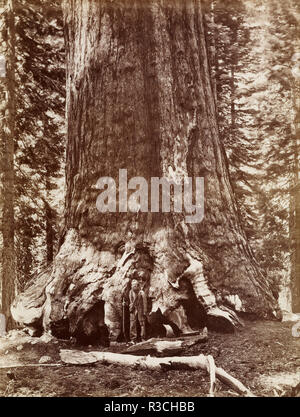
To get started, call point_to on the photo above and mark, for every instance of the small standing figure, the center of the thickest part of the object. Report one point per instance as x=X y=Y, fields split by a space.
x=138 y=311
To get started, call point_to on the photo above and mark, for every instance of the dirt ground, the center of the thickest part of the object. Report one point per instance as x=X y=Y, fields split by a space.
x=264 y=356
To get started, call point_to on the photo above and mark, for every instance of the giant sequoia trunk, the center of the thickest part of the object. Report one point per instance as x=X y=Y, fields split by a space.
x=140 y=98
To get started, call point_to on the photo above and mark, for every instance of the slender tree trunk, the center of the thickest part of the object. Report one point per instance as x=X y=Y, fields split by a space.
x=140 y=98
x=49 y=233
x=7 y=126
x=49 y=220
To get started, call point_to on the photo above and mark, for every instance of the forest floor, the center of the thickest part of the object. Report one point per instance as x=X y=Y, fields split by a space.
x=264 y=356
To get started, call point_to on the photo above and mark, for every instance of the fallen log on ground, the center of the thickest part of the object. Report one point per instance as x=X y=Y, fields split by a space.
x=211 y=368
x=168 y=347
x=201 y=361
x=29 y=365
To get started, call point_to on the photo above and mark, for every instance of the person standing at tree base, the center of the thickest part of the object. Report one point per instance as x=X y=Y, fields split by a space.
x=138 y=311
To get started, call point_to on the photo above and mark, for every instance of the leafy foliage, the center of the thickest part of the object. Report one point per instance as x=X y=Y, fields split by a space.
x=39 y=141
x=252 y=46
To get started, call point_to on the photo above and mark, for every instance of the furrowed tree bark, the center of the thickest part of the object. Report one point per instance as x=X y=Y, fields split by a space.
x=140 y=98
x=7 y=129
x=295 y=233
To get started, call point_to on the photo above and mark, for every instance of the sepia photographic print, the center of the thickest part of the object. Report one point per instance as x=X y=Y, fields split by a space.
x=149 y=201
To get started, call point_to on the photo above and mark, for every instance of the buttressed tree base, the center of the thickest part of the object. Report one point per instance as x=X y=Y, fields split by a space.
x=149 y=110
